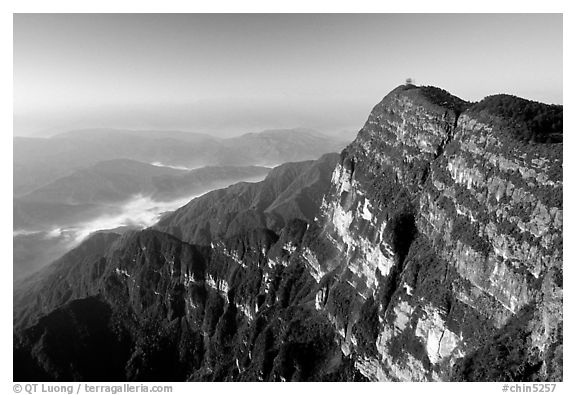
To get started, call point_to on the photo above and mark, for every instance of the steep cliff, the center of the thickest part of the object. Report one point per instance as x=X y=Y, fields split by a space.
x=447 y=229
x=436 y=254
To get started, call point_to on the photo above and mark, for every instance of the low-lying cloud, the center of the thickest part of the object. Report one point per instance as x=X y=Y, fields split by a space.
x=177 y=167
x=35 y=248
x=139 y=212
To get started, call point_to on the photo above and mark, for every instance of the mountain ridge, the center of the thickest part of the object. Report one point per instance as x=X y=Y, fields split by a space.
x=247 y=206
x=40 y=161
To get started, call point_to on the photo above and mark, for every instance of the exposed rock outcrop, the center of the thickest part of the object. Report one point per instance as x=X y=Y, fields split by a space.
x=453 y=229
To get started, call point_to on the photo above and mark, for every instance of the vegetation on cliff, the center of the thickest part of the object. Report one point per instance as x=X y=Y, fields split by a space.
x=528 y=120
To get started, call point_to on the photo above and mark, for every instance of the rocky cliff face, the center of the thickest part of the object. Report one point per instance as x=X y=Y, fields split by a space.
x=436 y=254
x=449 y=230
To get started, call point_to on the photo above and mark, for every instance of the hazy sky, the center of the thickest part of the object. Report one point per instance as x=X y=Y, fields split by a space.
x=235 y=73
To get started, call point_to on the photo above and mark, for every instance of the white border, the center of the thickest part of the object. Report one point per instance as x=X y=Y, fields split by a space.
x=356 y=6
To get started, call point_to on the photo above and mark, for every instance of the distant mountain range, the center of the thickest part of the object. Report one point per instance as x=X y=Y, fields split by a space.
x=38 y=161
